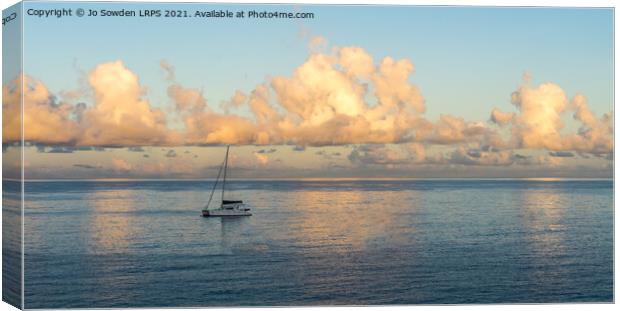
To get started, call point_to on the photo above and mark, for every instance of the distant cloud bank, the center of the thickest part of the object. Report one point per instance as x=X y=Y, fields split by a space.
x=341 y=97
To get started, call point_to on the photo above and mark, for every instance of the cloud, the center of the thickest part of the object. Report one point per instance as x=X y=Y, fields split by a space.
x=561 y=154
x=135 y=149
x=339 y=96
x=237 y=100
x=272 y=150
x=328 y=155
x=187 y=100
x=466 y=156
x=60 y=150
x=317 y=43
x=538 y=124
x=331 y=99
x=404 y=155
x=357 y=62
x=170 y=72
x=501 y=118
x=417 y=152
x=147 y=167
x=86 y=166
x=323 y=102
x=414 y=156
x=47 y=120
x=120 y=115
x=451 y=130
x=377 y=155
x=595 y=134
x=261 y=158
x=207 y=128
x=121 y=165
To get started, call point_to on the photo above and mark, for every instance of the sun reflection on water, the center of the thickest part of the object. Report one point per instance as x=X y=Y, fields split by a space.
x=543 y=212
x=111 y=225
x=349 y=219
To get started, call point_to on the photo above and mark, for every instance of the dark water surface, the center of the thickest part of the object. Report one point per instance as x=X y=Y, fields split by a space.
x=144 y=244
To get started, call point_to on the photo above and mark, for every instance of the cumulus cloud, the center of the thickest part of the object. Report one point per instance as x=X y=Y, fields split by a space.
x=48 y=121
x=501 y=118
x=340 y=98
x=120 y=116
x=187 y=100
x=208 y=128
x=323 y=102
x=237 y=100
x=538 y=124
x=344 y=96
x=595 y=134
x=450 y=130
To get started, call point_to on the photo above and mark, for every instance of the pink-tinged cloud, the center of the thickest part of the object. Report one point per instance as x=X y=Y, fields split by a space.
x=47 y=121
x=121 y=115
x=323 y=102
x=341 y=97
x=121 y=165
x=538 y=123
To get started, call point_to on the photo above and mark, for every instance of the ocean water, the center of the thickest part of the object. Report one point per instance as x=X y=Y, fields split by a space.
x=318 y=242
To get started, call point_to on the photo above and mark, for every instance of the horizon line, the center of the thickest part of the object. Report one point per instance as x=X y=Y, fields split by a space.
x=316 y=179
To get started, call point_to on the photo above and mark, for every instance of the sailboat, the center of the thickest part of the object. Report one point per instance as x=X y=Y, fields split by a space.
x=227 y=207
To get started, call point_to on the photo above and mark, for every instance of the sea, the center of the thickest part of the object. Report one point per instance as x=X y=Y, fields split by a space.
x=313 y=242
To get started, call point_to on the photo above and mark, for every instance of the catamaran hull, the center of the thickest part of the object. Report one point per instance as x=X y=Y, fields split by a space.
x=224 y=213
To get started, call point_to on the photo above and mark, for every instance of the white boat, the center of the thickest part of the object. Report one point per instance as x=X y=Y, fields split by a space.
x=227 y=207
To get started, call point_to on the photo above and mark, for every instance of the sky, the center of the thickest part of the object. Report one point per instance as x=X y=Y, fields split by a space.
x=357 y=91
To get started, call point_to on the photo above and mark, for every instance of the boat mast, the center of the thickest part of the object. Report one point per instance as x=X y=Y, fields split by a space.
x=219 y=173
x=225 y=168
